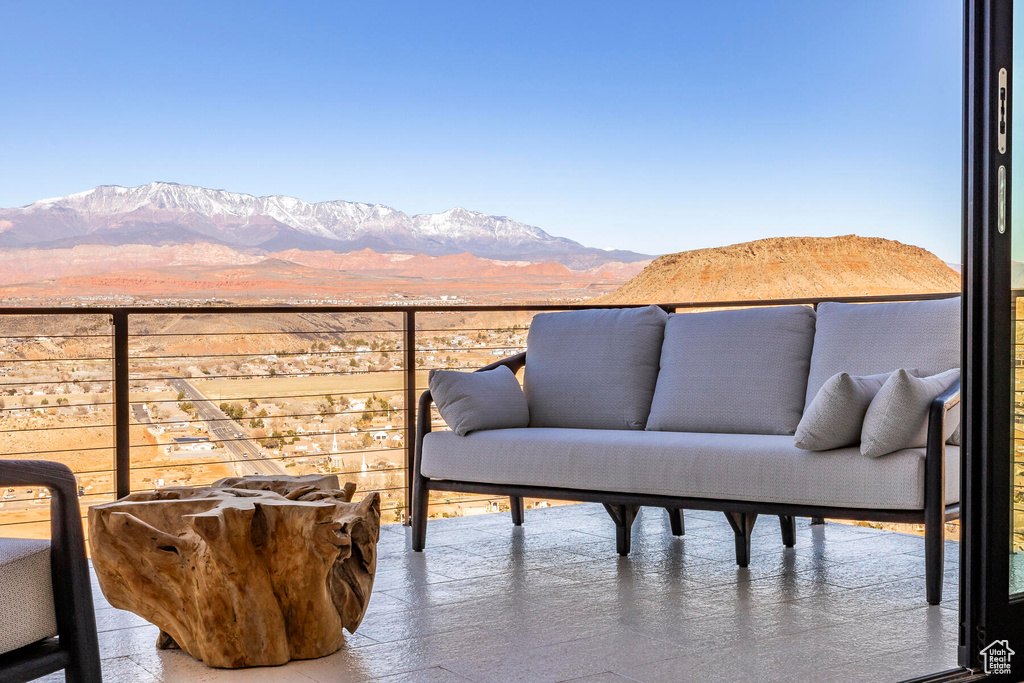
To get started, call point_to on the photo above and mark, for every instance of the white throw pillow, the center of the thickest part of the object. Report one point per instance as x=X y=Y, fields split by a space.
x=472 y=401
x=898 y=416
x=835 y=417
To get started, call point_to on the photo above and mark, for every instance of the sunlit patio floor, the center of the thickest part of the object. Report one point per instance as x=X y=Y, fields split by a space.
x=551 y=601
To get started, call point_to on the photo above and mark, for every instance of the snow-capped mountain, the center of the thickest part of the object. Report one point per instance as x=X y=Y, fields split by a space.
x=168 y=213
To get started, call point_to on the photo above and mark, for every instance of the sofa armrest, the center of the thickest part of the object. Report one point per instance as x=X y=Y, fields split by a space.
x=949 y=399
x=935 y=452
x=513 y=363
x=72 y=588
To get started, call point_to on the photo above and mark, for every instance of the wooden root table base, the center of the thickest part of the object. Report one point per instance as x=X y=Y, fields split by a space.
x=251 y=571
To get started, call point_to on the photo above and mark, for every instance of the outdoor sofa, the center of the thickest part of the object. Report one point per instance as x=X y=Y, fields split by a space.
x=635 y=407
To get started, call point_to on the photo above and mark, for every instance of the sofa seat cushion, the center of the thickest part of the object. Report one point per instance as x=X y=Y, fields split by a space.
x=26 y=593
x=593 y=369
x=867 y=339
x=759 y=468
x=740 y=372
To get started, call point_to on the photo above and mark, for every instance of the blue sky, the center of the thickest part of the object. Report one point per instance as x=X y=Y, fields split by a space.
x=657 y=126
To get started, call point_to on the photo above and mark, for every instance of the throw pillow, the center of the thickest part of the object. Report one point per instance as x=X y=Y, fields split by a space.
x=835 y=417
x=472 y=401
x=898 y=416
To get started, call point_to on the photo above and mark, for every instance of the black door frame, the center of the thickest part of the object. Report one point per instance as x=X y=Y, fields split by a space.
x=987 y=613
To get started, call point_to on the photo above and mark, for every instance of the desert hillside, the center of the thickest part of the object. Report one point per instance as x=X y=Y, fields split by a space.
x=788 y=267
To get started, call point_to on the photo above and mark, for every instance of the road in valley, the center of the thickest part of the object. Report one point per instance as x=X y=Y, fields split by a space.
x=239 y=448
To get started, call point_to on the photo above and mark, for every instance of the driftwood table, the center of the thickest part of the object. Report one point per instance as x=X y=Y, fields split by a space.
x=251 y=571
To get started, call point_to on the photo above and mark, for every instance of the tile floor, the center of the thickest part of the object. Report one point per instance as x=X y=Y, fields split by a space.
x=551 y=601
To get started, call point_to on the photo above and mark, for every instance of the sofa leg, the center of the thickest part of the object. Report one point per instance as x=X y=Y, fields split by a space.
x=420 y=497
x=516 y=504
x=742 y=524
x=817 y=521
x=934 y=561
x=624 y=516
x=675 y=518
x=788 y=525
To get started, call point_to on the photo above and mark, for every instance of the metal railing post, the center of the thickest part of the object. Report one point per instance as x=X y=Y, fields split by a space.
x=122 y=405
x=409 y=353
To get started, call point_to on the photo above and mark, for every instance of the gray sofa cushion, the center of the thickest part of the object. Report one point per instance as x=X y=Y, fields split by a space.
x=835 y=417
x=593 y=369
x=898 y=416
x=740 y=372
x=866 y=339
x=26 y=593
x=722 y=466
x=469 y=401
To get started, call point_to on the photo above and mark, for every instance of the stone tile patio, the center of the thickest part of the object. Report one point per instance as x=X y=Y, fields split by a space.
x=551 y=601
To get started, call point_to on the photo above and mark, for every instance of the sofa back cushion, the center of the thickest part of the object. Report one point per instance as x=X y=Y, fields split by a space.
x=867 y=339
x=593 y=369
x=735 y=372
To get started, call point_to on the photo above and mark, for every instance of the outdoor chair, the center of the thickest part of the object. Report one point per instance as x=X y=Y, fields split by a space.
x=46 y=611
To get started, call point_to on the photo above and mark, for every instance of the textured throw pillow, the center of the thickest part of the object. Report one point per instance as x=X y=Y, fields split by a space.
x=735 y=372
x=835 y=417
x=593 y=369
x=898 y=416
x=471 y=401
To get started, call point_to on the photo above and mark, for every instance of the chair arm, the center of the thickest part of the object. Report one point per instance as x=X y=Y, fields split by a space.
x=58 y=479
x=513 y=363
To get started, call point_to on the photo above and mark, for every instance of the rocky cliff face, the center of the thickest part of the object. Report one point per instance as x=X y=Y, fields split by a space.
x=789 y=267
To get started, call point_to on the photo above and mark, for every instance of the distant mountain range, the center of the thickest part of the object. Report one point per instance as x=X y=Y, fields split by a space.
x=162 y=214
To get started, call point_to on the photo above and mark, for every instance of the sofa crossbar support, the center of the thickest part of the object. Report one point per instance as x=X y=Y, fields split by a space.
x=711 y=504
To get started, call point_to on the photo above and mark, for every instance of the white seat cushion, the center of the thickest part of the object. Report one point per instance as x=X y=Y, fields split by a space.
x=26 y=593
x=750 y=467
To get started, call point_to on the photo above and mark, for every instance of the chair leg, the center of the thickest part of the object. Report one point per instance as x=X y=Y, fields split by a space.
x=419 y=514
x=817 y=521
x=934 y=560
x=788 y=525
x=624 y=516
x=742 y=524
x=516 y=504
x=675 y=518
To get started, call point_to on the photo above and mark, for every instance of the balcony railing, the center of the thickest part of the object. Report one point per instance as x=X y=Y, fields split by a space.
x=187 y=395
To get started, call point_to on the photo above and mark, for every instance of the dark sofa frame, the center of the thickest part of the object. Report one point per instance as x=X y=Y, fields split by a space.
x=76 y=647
x=741 y=515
